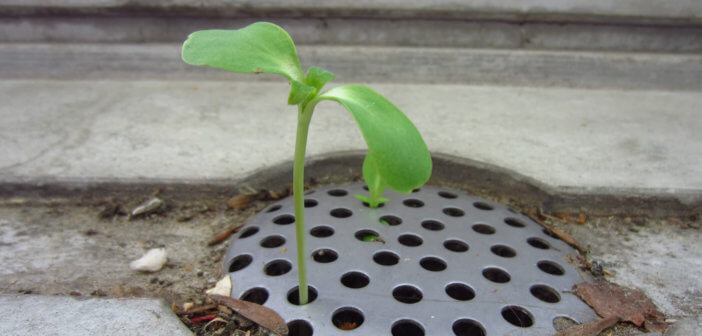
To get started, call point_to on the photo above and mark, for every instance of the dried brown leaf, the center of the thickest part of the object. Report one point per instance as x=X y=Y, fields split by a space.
x=240 y=202
x=629 y=305
x=264 y=316
x=589 y=329
x=222 y=236
x=581 y=219
x=562 y=216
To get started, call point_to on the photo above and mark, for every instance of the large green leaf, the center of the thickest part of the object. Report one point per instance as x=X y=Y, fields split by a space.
x=396 y=149
x=261 y=47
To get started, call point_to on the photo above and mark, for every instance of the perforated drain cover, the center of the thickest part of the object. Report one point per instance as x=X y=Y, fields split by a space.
x=435 y=262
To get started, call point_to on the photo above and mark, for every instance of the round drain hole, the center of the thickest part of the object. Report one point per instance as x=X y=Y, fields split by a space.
x=274 y=208
x=468 y=327
x=310 y=203
x=256 y=295
x=550 y=267
x=407 y=294
x=299 y=328
x=410 y=240
x=273 y=241
x=322 y=231
x=432 y=225
x=249 y=232
x=495 y=274
x=240 y=262
x=337 y=192
x=277 y=267
x=538 y=243
x=380 y=205
x=483 y=206
x=484 y=229
x=514 y=222
x=545 y=293
x=347 y=318
x=294 y=295
x=366 y=235
x=454 y=212
x=355 y=280
x=341 y=213
x=433 y=264
x=517 y=316
x=386 y=258
x=503 y=251
x=459 y=291
x=324 y=255
x=284 y=219
x=456 y=245
x=447 y=195
x=413 y=203
x=407 y=328
x=390 y=220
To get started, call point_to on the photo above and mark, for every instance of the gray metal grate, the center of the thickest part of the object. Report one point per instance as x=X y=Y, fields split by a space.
x=435 y=262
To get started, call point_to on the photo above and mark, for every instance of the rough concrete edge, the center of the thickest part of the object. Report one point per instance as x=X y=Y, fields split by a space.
x=450 y=66
x=377 y=11
x=174 y=321
x=340 y=167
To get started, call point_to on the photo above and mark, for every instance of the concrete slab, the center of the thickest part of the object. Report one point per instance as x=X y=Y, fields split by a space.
x=688 y=10
x=53 y=315
x=402 y=65
x=659 y=257
x=184 y=130
x=409 y=32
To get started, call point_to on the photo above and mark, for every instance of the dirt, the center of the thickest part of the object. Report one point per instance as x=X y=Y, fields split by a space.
x=83 y=248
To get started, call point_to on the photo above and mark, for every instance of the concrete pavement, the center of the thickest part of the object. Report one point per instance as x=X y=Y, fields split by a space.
x=56 y=315
x=131 y=130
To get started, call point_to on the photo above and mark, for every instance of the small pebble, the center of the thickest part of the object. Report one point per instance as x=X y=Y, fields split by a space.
x=152 y=261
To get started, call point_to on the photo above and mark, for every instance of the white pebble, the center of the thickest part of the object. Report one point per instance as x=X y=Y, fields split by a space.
x=152 y=261
x=223 y=287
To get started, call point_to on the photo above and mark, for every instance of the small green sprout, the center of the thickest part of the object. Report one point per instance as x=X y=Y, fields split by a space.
x=397 y=155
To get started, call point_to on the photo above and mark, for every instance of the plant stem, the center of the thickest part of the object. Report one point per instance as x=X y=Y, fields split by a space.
x=303 y=124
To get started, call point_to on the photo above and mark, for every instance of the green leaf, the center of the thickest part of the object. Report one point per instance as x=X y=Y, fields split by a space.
x=317 y=77
x=366 y=199
x=369 y=238
x=375 y=183
x=401 y=157
x=259 y=47
x=300 y=92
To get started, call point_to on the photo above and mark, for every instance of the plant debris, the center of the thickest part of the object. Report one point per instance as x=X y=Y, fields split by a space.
x=264 y=316
x=110 y=208
x=241 y=202
x=589 y=329
x=628 y=305
x=222 y=236
x=538 y=217
x=153 y=205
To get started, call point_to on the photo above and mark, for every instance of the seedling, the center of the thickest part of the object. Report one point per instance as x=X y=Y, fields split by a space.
x=397 y=155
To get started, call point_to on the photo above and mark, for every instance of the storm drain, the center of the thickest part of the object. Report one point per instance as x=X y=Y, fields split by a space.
x=434 y=262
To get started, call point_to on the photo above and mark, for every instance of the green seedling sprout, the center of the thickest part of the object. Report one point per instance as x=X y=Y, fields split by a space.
x=397 y=155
